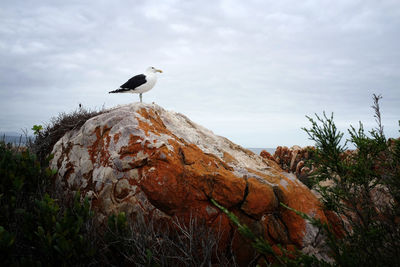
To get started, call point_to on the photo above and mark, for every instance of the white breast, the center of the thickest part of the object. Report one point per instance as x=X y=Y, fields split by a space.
x=151 y=81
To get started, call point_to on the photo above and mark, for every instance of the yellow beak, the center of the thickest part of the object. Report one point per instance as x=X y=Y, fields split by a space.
x=160 y=71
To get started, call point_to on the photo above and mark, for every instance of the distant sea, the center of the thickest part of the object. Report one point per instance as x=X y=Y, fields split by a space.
x=14 y=138
x=257 y=150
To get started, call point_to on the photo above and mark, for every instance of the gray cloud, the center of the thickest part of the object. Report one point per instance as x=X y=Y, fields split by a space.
x=250 y=71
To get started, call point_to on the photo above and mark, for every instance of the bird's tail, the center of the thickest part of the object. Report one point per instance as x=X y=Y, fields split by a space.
x=119 y=90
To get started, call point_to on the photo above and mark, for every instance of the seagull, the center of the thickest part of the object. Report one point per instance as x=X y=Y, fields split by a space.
x=140 y=83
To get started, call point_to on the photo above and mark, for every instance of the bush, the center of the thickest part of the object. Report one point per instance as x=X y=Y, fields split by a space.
x=58 y=126
x=34 y=229
x=21 y=181
x=363 y=191
x=60 y=236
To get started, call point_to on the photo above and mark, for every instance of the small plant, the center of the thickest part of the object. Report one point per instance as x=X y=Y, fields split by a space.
x=36 y=129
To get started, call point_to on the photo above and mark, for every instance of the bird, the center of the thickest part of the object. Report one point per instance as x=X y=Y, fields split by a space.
x=140 y=83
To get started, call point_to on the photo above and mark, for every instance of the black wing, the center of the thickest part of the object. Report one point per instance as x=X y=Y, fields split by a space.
x=135 y=81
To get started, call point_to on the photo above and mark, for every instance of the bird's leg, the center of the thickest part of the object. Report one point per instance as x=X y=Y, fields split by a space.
x=140 y=95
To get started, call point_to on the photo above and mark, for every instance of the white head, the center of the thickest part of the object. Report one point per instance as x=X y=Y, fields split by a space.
x=152 y=70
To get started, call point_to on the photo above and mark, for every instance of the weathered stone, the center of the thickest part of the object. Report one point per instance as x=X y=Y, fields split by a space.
x=142 y=158
x=291 y=160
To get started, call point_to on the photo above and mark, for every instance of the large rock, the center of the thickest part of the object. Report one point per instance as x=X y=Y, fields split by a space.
x=142 y=158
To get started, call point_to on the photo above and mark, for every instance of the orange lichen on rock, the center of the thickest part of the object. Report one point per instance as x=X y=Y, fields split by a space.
x=267 y=155
x=260 y=199
x=142 y=158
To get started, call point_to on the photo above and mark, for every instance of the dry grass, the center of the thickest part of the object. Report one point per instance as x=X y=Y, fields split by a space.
x=147 y=243
x=43 y=144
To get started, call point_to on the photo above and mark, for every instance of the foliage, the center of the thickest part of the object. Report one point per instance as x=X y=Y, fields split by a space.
x=21 y=180
x=363 y=190
x=36 y=129
x=34 y=229
x=60 y=236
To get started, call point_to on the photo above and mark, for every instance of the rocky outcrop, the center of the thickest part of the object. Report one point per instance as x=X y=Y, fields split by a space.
x=140 y=158
x=292 y=160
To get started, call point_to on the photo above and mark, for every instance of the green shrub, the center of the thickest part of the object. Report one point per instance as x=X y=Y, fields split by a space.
x=34 y=229
x=60 y=237
x=21 y=181
x=21 y=176
x=364 y=190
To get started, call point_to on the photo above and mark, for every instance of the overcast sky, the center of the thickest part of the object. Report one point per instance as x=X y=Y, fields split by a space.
x=247 y=70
